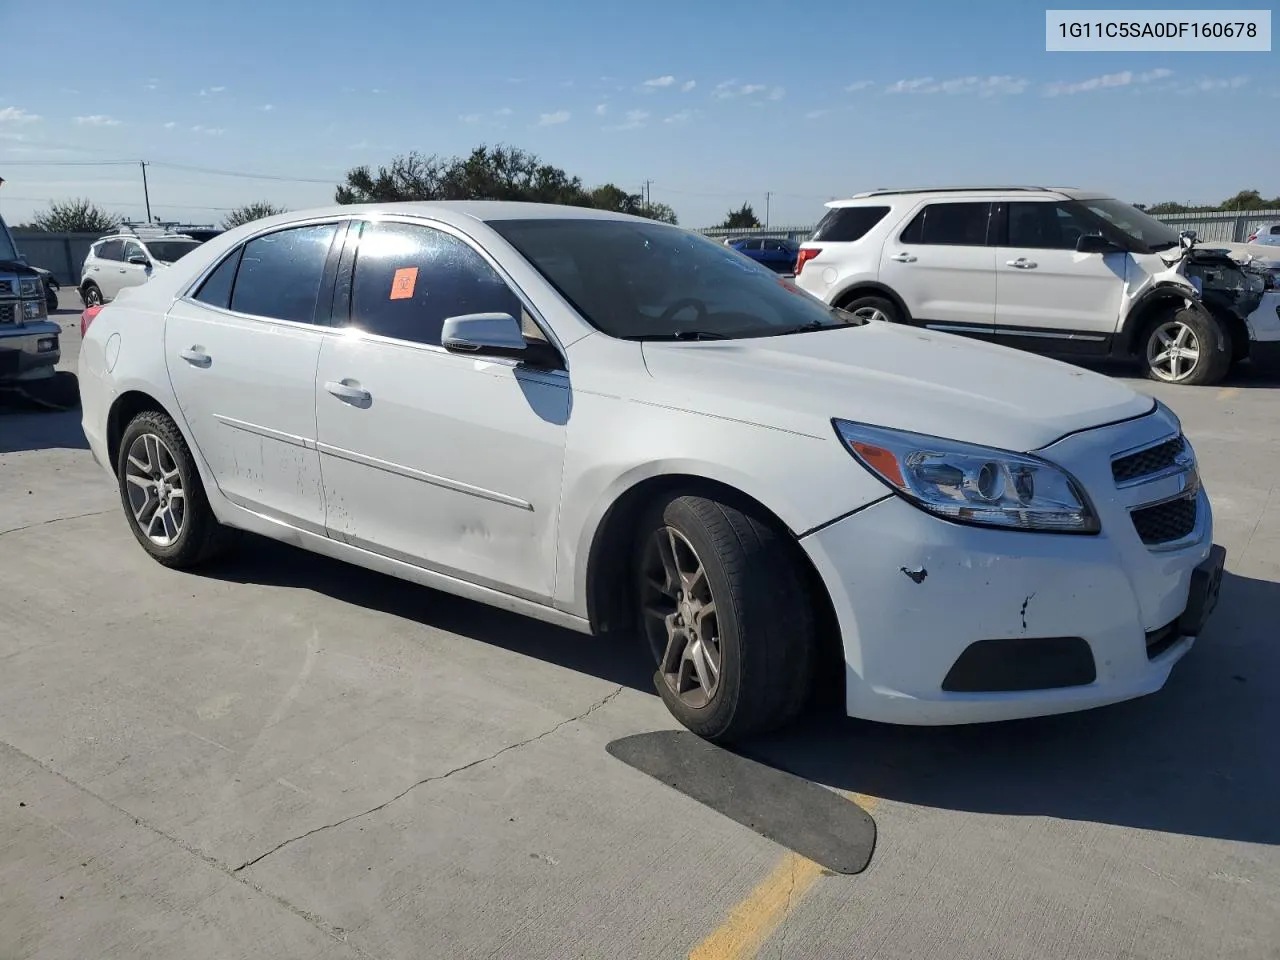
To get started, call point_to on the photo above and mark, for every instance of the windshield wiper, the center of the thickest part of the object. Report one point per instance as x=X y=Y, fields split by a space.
x=1168 y=245
x=680 y=335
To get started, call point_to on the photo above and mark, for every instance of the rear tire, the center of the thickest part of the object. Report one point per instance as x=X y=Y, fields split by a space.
x=871 y=307
x=727 y=615
x=91 y=295
x=1186 y=347
x=163 y=497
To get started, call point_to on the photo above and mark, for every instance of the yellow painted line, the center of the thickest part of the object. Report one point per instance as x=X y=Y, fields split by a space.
x=1226 y=393
x=763 y=910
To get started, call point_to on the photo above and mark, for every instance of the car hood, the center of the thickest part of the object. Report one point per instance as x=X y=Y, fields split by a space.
x=892 y=376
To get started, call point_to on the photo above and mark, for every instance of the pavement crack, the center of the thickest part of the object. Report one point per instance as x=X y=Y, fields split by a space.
x=786 y=913
x=432 y=779
x=45 y=523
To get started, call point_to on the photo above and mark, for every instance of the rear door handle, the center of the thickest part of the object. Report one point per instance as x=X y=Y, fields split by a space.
x=903 y=258
x=1022 y=263
x=345 y=391
x=196 y=357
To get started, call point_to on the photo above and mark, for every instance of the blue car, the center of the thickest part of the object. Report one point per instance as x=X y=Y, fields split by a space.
x=779 y=255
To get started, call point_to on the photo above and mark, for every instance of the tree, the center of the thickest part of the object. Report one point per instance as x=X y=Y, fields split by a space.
x=743 y=218
x=75 y=216
x=250 y=212
x=1244 y=200
x=487 y=173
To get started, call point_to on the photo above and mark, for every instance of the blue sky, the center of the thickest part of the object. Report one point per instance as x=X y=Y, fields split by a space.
x=715 y=103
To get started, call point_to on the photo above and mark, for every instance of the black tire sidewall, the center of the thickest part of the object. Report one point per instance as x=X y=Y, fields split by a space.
x=91 y=295
x=883 y=304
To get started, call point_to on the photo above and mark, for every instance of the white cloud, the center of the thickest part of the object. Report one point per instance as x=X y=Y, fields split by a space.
x=502 y=112
x=152 y=83
x=816 y=114
x=360 y=145
x=777 y=93
x=910 y=86
x=210 y=91
x=17 y=115
x=267 y=107
x=688 y=85
x=471 y=117
x=208 y=131
x=731 y=88
x=666 y=81
x=601 y=109
x=859 y=85
x=97 y=120
x=170 y=124
x=1125 y=78
x=551 y=119
x=634 y=120
x=1219 y=83
x=682 y=116
x=982 y=86
x=747 y=89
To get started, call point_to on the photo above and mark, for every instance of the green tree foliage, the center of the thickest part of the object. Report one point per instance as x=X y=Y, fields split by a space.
x=250 y=212
x=1242 y=201
x=743 y=218
x=75 y=216
x=488 y=173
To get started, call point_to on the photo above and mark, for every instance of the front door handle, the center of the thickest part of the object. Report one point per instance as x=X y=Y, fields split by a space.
x=196 y=357
x=346 y=391
x=903 y=258
x=1022 y=263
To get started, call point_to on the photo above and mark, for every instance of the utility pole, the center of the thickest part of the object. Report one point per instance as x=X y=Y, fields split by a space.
x=647 y=184
x=767 y=195
x=146 y=196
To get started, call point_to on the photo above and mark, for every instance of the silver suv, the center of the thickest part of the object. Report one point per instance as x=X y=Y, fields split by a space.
x=128 y=260
x=1059 y=271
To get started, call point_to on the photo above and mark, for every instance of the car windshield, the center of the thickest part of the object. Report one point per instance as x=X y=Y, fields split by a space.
x=1141 y=229
x=168 y=251
x=639 y=280
x=7 y=250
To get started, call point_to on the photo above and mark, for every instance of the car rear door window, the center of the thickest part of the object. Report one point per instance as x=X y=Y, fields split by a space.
x=280 y=273
x=962 y=224
x=409 y=279
x=216 y=289
x=847 y=224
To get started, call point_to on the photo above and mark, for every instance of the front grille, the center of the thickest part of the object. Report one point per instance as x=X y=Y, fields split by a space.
x=8 y=288
x=1166 y=522
x=7 y=312
x=1149 y=461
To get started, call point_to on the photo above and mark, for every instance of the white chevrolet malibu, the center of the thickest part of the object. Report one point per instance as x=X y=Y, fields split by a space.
x=622 y=427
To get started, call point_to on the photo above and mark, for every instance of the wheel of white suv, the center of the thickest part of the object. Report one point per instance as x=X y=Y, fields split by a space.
x=91 y=295
x=1186 y=347
x=163 y=497
x=727 y=615
x=872 y=308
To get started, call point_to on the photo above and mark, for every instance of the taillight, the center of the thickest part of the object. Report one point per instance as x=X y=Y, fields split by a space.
x=86 y=318
x=1252 y=237
x=804 y=256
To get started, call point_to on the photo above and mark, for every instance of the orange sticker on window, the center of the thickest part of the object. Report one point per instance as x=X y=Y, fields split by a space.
x=402 y=284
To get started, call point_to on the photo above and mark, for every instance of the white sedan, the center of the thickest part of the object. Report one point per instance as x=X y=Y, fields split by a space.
x=622 y=427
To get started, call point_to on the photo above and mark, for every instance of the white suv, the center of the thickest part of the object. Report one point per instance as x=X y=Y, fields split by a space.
x=1058 y=271
x=127 y=260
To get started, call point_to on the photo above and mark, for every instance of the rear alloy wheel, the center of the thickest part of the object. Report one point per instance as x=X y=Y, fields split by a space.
x=872 y=308
x=1187 y=347
x=162 y=495
x=91 y=295
x=727 y=617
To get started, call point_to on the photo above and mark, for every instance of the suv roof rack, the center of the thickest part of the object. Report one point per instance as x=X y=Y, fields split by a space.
x=885 y=191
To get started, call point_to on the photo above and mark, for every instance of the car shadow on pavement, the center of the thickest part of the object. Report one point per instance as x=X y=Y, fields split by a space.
x=262 y=561
x=42 y=417
x=1197 y=758
x=1250 y=375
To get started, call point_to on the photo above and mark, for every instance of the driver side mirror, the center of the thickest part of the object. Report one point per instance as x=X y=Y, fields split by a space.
x=495 y=335
x=139 y=261
x=1093 y=243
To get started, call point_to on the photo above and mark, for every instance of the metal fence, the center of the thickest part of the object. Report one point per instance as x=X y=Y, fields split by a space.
x=64 y=253
x=1214 y=226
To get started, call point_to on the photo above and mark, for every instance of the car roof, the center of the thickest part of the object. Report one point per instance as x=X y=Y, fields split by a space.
x=453 y=211
x=980 y=192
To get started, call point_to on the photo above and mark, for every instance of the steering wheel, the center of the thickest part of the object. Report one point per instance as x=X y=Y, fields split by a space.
x=669 y=314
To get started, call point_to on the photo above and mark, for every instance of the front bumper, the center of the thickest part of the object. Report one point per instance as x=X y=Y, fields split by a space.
x=29 y=351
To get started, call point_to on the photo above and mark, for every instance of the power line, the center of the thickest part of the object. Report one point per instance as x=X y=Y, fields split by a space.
x=211 y=171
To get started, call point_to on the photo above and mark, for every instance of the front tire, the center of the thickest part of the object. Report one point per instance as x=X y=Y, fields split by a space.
x=727 y=615
x=1187 y=347
x=162 y=495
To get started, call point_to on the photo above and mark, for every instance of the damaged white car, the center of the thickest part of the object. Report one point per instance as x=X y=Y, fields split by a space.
x=625 y=428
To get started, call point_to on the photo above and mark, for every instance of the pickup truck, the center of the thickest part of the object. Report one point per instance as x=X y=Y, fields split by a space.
x=29 y=344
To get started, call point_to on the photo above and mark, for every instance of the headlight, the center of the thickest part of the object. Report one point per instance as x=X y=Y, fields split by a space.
x=32 y=309
x=29 y=287
x=971 y=484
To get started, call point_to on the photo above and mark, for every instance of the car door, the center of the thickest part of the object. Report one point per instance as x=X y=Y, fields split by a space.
x=447 y=462
x=134 y=274
x=242 y=354
x=107 y=268
x=942 y=265
x=1048 y=296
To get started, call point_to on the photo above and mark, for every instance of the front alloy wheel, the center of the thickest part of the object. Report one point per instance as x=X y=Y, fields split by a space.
x=1187 y=347
x=1173 y=351
x=680 y=618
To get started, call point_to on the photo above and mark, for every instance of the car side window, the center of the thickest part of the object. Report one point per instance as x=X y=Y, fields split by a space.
x=1275 y=231
x=132 y=249
x=111 y=250
x=1046 y=226
x=409 y=279
x=280 y=273
x=961 y=224
x=216 y=289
